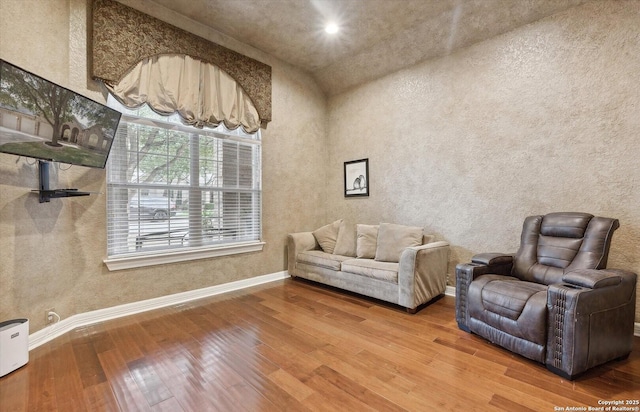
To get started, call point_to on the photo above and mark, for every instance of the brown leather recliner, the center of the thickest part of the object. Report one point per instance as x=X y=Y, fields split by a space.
x=553 y=301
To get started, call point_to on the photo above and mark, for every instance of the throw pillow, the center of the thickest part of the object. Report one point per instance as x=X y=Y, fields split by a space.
x=346 y=242
x=327 y=235
x=366 y=241
x=393 y=239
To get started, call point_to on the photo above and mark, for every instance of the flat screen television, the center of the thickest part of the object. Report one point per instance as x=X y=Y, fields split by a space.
x=45 y=121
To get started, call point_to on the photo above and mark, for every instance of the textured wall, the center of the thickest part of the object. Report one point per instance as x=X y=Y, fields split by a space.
x=544 y=118
x=540 y=119
x=51 y=254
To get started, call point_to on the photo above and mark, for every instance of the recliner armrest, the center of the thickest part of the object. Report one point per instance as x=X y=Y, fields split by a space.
x=591 y=278
x=590 y=317
x=481 y=264
x=588 y=290
x=491 y=259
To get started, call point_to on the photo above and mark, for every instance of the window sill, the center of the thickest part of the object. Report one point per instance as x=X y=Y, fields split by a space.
x=182 y=255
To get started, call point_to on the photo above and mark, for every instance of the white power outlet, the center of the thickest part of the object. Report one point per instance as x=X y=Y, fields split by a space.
x=49 y=316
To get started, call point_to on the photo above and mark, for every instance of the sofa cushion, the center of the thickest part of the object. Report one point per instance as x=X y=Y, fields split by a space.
x=327 y=235
x=393 y=239
x=322 y=259
x=346 y=242
x=366 y=241
x=387 y=271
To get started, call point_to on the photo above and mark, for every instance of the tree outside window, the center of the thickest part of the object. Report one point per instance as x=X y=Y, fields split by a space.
x=172 y=186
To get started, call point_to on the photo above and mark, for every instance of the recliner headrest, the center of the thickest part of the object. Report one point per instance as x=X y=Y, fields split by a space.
x=565 y=224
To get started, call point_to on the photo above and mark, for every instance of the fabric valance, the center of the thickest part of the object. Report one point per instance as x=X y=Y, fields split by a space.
x=123 y=37
x=201 y=93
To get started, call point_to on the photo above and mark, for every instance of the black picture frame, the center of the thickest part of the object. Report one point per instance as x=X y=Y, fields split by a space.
x=356 y=178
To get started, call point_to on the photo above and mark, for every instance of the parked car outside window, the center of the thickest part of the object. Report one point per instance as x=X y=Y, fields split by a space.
x=159 y=208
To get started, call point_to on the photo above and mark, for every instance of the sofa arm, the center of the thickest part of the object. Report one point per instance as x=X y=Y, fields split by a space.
x=590 y=319
x=481 y=264
x=296 y=243
x=422 y=273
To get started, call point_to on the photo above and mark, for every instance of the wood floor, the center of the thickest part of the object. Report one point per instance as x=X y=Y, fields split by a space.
x=295 y=345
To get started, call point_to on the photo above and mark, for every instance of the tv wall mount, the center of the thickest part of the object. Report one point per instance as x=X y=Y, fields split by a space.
x=45 y=192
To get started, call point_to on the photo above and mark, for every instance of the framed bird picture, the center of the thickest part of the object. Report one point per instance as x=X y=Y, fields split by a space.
x=356 y=178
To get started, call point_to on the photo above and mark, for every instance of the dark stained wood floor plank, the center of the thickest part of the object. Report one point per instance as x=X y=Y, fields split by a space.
x=66 y=377
x=123 y=385
x=168 y=405
x=151 y=385
x=89 y=367
x=222 y=399
x=298 y=346
x=41 y=393
x=100 y=397
x=14 y=395
x=254 y=370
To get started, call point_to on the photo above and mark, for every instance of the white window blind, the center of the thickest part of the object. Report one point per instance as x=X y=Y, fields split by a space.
x=174 y=187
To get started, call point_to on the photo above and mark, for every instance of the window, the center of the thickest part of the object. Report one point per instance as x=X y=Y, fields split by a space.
x=175 y=192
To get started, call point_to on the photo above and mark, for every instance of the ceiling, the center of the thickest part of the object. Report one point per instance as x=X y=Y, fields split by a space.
x=376 y=37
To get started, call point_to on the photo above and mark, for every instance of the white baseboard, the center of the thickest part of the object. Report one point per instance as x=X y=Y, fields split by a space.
x=83 y=319
x=101 y=315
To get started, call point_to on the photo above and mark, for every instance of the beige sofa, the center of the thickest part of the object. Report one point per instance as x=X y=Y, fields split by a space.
x=390 y=262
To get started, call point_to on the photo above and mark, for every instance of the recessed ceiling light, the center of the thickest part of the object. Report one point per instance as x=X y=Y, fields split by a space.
x=331 y=28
